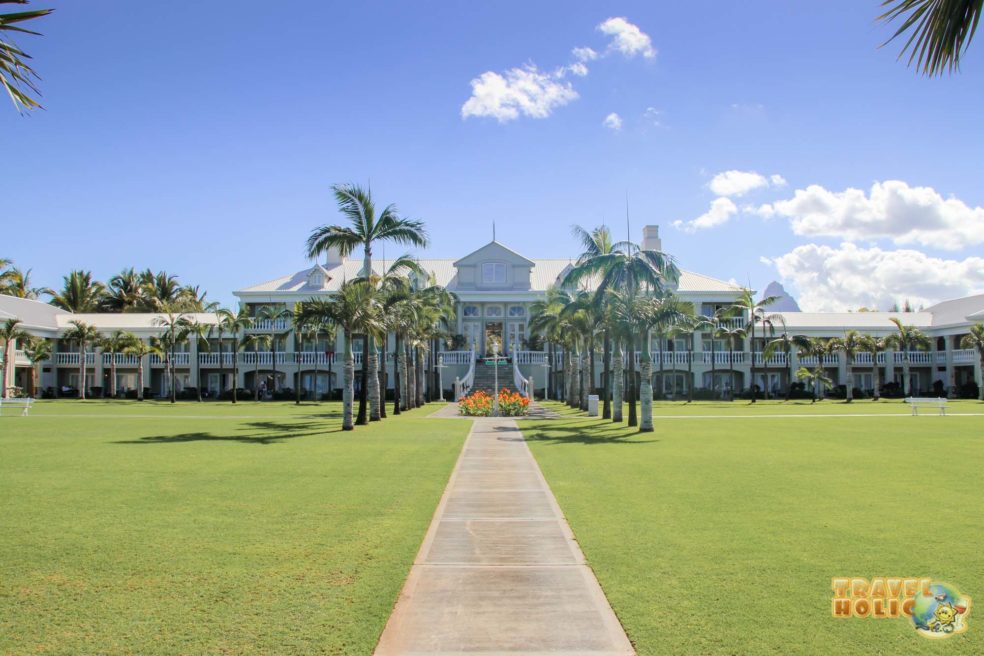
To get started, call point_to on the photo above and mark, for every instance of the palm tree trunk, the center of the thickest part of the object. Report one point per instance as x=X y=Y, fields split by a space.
x=140 y=378
x=256 y=377
x=731 y=363
x=317 y=356
x=876 y=376
x=404 y=370
x=713 y=367
x=383 y=377
x=348 y=392
x=646 y=386
x=633 y=417
x=235 y=367
x=850 y=378
x=363 y=417
x=411 y=378
x=618 y=378
x=420 y=377
x=112 y=374
x=374 y=400
x=690 y=370
x=396 y=373
x=297 y=363
x=662 y=370
x=905 y=375
x=273 y=362
x=198 y=375
x=571 y=379
x=81 y=373
x=606 y=384
x=789 y=372
x=582 y=390
x=591 y=365
x=751 y=370
x=174 y=378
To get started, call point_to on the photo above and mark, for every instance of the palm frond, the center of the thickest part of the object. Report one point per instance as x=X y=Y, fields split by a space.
x=940 y=31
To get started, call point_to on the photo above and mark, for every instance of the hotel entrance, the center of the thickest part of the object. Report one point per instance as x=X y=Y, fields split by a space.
x=493 y=330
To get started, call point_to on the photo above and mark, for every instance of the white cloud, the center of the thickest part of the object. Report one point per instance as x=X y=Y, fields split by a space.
x=584 y=54
x=737 y=183
x=578 y=69
x=720 y=212
x=524 y=91
x=652 y=115
x=613 y=121
x=627 y=38
x=891 y=210
x=848 y=277
x=777 y=180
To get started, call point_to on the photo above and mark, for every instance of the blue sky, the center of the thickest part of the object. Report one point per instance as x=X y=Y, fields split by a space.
x=205 y=140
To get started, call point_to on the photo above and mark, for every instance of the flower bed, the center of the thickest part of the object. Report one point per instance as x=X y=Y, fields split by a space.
x=479 y=404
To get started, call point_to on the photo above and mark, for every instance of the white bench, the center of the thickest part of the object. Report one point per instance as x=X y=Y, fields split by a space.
x=23 y=403
x=916 y=401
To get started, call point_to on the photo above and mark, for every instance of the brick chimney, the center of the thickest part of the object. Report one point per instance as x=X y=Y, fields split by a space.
x=650 y=238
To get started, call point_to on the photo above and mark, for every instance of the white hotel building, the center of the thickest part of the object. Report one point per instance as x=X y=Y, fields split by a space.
x=495 y=286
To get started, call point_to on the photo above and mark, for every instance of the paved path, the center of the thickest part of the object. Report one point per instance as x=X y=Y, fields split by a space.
x=499 y=571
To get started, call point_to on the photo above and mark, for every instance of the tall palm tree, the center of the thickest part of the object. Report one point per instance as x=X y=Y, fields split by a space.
x=656 y=313
x=365 y=230
x=84 y=334
x=275 y=314
x=941 y=30
x=235 y=324
x=260 y=343
x=850 y=345
x=176 y=325
x=79 y=293
x=16 y=76
x=10 y=332
x=300 y=327
x=581 y=316
x=112 y=344
x=975 y=340
x=746 y=305
x=37 y=351
x=546 y=320
x=818 y=348
x=905 y=339
x=349 y=309
x=874 y=346
x=783 y=343
x=732 y=335
x=200 y=332
x=688 y=327
x=140 y=350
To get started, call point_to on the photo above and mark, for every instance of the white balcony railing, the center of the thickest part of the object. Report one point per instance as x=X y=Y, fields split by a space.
x=458 y=357
x=828 y=361
x=775 y=360
x=73 y=358
x=122 y=360
x=865 y=359
x=527 y=357
x=269 y=325
x=965 y=356
x=180 y=360
x=722 y=358
x=731 y=324
x=915 y=357
x=212 y=359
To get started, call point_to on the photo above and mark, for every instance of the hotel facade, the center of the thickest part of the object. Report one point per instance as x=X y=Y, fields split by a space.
x=495 y=286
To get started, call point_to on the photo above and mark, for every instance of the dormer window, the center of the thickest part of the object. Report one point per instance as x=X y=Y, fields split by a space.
x=494 y=273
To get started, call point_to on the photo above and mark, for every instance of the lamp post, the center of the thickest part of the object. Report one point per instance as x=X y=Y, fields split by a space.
x=495 y=369
x=440 y=377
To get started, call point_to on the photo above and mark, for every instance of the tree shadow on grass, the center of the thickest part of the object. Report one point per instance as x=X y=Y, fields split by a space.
x=271 y=432
x=559 y=432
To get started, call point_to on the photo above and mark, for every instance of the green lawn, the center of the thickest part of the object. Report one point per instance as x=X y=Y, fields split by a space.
x=716 y=535
x=146 y=528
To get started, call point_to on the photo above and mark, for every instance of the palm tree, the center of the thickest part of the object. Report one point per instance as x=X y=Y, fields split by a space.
x=546 y=320
x=874 y=345
x=140 y=349
x=16 y=76
x=200 y=332
x=716 y=320
x=79 y=293
x=349 y=310
x=260 y=343
x=656 y=313
x=299 y=324
x=733 y=335
x=850 y=344
x=37 y=351
x=688 y=327
x=975 y=340
x=84 y=334
x=941 y=30
x=17 y=283
x=176 y=325
x=274 y=315
x=905 y=339
x=124 y=293
x=365 y=229
x=580 y=316
x=784 y=343
x=10 y=332
x=746 y=305
x=234 y=324
x=818 y=348
x=113 y=344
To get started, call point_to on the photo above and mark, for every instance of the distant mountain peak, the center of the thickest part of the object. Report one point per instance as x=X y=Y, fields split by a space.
x=785 y=302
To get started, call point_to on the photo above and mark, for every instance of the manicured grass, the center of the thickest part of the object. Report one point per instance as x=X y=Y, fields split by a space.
x=132 y=528
x=721 y=535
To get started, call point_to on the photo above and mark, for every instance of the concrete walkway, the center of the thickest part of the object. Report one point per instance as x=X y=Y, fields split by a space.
x=499 y=571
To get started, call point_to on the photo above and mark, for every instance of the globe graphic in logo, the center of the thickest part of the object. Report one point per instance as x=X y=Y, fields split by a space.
x=941 y=612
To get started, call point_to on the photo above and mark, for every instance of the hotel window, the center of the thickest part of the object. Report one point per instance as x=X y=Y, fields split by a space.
x=493 y=311
x=494 y=273
x=517 y=311
x=471 y=311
